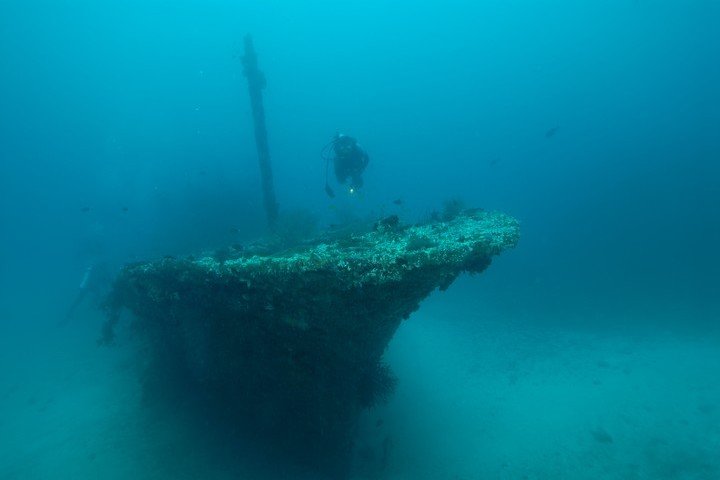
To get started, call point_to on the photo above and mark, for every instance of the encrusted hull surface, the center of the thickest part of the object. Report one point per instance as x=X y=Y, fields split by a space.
x=289 y=345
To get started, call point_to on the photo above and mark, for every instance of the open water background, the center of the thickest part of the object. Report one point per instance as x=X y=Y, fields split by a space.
x=590 y=351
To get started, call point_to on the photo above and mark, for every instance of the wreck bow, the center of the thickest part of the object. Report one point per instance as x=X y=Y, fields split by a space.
x=291 y=343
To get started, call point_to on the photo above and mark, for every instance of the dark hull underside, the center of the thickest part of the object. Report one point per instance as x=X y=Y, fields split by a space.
x=289 y=345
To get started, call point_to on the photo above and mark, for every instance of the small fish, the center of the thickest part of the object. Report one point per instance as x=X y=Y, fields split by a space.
x=552 y=131
x=85 y=209
x=379 y=423
x=474 y=210
x=706 y=408
x=601 y=436
x=397 y=201
x=125 y=209
x=391 y=222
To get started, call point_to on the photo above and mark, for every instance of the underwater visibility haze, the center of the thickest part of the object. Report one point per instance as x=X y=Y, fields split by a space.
x=428 y=240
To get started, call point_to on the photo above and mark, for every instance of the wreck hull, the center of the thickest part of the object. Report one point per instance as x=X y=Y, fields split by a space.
x=290 y=345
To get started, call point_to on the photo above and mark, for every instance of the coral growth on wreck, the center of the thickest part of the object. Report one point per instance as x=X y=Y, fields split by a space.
x=289 y=343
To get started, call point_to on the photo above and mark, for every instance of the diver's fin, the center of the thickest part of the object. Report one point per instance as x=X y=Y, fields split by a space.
x=71 y=311
x=329 y=191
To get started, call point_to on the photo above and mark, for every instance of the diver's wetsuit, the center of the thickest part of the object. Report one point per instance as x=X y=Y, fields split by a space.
x=350 y=160
x=96 y=281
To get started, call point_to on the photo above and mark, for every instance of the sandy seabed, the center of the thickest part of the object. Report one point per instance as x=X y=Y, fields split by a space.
x=477 y=398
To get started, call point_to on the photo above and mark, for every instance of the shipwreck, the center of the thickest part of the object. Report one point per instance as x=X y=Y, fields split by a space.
x=289 y=343
x=284 y=343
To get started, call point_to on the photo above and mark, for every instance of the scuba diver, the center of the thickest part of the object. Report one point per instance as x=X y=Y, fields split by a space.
x=82 y=293
x=350 y=160
x=95 y=281
x=98 y=274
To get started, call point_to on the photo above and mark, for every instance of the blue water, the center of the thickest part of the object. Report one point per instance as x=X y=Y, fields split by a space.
x=590 y=351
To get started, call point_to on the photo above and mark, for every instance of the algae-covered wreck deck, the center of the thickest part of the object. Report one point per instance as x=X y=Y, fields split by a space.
x=290 y=343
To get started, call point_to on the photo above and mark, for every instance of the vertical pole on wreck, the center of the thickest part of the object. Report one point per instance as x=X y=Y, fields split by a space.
x=256 y=83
